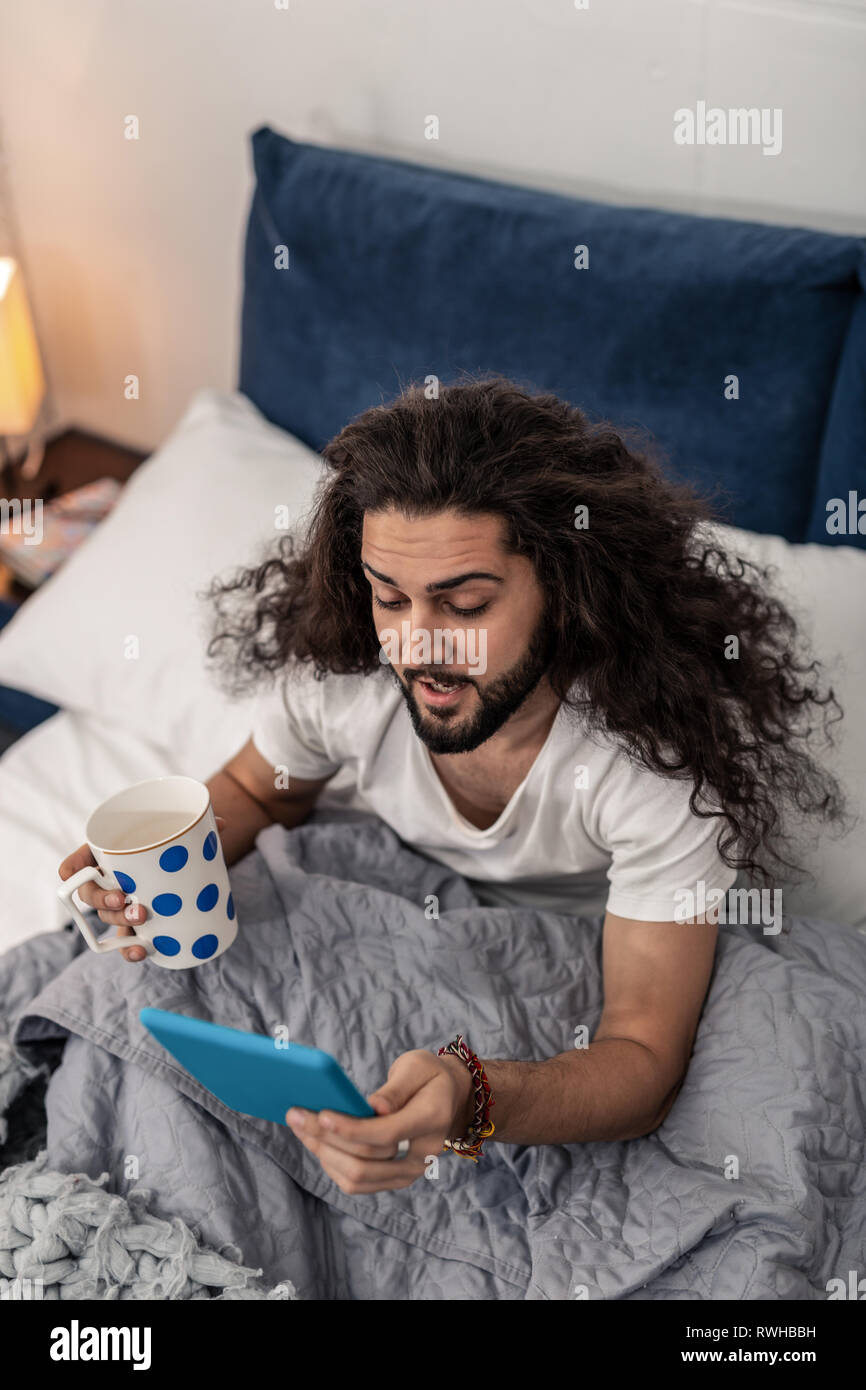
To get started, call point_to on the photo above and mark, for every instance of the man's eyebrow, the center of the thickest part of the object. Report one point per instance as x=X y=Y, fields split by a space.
x=440 y=583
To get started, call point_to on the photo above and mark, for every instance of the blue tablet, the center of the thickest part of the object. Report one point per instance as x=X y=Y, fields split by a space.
x=250 y=1073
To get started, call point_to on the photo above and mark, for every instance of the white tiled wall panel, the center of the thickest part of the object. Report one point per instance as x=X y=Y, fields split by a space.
x=132 y=250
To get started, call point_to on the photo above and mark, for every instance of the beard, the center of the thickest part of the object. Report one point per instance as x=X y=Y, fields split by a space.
x=446 y=731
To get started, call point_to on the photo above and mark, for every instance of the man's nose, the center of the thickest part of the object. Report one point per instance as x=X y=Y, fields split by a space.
x=422 y=616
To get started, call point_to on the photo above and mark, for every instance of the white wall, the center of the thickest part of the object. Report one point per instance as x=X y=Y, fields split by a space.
x=132 y=250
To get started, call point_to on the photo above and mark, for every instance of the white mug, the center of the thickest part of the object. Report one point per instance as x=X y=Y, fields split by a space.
x=157 y=842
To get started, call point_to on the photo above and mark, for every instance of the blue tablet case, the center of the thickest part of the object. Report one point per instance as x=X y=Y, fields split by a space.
x=250 y=1073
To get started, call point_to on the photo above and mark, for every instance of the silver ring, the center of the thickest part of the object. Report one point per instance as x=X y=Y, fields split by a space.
x=402 y=1150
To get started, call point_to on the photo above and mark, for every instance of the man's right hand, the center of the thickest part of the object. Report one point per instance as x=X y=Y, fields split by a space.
x=110 y=907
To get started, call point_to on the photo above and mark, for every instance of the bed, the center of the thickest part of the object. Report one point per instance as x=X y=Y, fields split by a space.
x=743 y=350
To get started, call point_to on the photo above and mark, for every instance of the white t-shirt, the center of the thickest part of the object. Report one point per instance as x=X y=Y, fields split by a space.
x=587 y=830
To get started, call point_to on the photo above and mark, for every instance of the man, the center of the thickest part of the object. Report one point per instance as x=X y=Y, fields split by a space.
x=504 y=633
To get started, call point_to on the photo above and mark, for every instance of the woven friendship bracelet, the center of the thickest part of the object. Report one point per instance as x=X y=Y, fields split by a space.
x=471 y=1146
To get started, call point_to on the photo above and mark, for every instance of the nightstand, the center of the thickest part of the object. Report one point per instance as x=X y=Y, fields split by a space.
x=71 y=459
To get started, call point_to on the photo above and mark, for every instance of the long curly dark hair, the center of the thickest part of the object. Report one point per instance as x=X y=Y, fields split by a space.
x=643 y=600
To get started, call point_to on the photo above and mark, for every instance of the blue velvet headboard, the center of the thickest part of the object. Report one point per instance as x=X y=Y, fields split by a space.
x=396 y=272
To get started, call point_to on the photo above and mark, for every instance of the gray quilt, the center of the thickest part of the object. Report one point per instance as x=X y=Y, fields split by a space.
x=334 y=943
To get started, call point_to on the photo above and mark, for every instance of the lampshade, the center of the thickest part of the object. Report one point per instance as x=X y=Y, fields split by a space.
x=22 y=384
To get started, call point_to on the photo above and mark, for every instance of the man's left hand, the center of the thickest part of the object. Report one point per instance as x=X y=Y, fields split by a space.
x=426 y=1099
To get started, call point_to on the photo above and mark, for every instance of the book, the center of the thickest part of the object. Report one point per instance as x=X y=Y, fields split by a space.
x=36 y=536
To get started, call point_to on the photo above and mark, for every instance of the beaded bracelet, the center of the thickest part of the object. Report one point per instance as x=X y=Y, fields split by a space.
x=482 y=1126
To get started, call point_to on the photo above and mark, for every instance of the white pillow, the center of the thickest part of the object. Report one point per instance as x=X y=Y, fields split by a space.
x=824 y=587
x=203 y=504
x=50 y=781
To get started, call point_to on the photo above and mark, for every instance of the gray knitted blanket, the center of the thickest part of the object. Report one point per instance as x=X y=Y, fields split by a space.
x=64 y=1235
x=753 y=1188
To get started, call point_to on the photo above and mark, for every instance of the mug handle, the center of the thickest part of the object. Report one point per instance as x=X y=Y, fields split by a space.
x=94 y=875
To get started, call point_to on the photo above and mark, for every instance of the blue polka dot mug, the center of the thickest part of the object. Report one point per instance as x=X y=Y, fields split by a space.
x=158 y=843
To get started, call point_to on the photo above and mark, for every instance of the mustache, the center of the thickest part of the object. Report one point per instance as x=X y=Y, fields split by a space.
x=413 y=673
